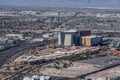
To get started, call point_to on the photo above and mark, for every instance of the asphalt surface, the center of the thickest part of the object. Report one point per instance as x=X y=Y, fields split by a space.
x=8 y=54
x=76 y=78
x=102 y=61
x=106 y=68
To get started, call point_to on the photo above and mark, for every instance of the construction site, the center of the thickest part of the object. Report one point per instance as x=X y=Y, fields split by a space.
x=69 y=69
x=39 y=55
x=110 y=74
x=49 y=53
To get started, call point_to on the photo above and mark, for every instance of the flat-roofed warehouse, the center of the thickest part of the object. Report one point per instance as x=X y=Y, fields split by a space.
x=28 y=60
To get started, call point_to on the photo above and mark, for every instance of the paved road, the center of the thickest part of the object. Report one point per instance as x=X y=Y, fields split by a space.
x=24 y=71
x=20 y=73
x=9 y=53
x=106 y=68
x=71 y=18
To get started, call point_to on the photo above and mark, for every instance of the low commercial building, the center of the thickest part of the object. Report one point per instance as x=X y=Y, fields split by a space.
x=117 y=54
x=37 y=77
x=27 y=13
x=115 y=44
x=45 y=36
x=7 y=41
x=91 y=40
x=31 y=59
x=3 y=40
x=15 y=36
x=27 y=60
x=37 y=40
x=61 y=52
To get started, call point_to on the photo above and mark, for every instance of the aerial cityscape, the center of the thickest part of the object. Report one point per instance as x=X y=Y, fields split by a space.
x=59 y=39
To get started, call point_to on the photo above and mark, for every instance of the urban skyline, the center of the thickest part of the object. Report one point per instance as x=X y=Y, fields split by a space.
x=59 y=40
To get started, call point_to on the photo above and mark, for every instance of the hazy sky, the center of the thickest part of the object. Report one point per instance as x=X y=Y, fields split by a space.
x=63 y=3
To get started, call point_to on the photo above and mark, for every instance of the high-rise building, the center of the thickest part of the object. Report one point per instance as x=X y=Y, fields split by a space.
x=91 y=40
x=71 y=37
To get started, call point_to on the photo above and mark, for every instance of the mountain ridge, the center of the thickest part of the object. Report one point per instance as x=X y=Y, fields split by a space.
x=64 y=3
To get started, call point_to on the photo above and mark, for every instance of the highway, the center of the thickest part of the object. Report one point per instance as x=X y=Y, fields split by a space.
x=71 y=18
x=8 y=54
x=24 y=72
x=20 y=73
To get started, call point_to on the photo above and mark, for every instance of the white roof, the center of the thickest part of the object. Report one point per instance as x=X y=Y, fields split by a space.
x=35 y=77
x=14 y=35
x=52 y=55
x=44 y=77
x=22 y=58
x=72 y=30
x=27 y=78
x=91 y=36
x=34 y=58
x=28 y=58
x=38 y=39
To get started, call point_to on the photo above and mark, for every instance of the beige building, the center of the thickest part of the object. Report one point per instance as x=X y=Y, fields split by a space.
x=91 y=40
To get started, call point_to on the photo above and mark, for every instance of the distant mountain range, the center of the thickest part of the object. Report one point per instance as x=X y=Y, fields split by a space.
x=64 y=3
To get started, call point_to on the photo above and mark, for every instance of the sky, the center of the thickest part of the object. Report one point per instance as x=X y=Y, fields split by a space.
x=63 y=3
